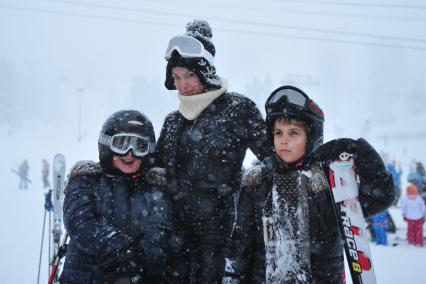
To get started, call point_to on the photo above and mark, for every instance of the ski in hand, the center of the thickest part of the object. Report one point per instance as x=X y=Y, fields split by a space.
x=350 y=217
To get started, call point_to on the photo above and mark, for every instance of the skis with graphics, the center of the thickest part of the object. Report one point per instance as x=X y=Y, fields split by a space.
x=57 y=200
x=343 y=183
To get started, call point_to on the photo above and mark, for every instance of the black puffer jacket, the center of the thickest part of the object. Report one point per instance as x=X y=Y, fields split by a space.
x=210 y=149
x=246 y=263
x=203 y=160
x=114 y=223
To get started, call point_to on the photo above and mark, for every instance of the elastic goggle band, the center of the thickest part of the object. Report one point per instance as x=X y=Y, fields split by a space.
x=188 y=47
x=124 y=142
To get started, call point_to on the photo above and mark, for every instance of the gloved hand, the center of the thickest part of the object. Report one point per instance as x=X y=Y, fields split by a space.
x=230 y=280
x=376 y=192
x=331 y=150
x=127 y=265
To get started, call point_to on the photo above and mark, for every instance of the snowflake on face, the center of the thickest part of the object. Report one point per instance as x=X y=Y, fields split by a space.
x=209 y=72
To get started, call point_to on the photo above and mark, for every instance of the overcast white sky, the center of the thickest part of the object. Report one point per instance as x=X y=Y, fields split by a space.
x=364 y=62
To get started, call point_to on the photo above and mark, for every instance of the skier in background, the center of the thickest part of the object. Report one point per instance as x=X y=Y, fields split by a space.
x=286 y=230
x=45 y=173
x=414 y=211
x=23 y=175
x=380 y=224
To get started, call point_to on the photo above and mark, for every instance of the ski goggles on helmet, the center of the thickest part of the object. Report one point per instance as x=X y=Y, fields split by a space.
x=122 y=143
x=188 y=47
x=289 y=101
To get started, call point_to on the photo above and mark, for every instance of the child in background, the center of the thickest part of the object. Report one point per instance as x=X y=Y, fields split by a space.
x=380 y=224
x=414 y=210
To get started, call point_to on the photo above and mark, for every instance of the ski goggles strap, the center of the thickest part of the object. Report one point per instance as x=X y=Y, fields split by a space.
x=122 y=143
x=188 y=47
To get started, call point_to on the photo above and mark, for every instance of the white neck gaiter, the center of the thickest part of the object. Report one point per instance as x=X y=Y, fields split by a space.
x=191 y=106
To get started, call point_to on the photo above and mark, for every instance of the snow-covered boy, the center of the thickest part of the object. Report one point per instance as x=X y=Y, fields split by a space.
x=286 y=229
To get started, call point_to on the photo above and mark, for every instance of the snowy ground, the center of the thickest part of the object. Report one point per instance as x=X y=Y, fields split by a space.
x=398 y=262
x=21 y=212
x=22 y=219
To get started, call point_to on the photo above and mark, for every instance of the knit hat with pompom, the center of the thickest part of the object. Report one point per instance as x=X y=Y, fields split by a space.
x=205 y=71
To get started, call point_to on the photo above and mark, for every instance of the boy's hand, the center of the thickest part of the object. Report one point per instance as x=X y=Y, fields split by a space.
x=376 y=192
x=331 y=150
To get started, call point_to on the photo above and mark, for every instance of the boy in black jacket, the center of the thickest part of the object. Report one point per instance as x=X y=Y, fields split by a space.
x=286 y=229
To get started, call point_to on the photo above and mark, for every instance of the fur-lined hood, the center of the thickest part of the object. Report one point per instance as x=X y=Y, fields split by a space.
x=253 y=176
x=155 y=176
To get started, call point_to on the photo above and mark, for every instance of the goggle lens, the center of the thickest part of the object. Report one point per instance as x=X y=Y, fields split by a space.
x=291 y=96
x=292 y=100
x=122 y=143
x=188 y=47
x=185 y=46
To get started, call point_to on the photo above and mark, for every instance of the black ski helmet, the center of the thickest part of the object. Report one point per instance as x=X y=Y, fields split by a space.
x=125 y=121
x=291 y=102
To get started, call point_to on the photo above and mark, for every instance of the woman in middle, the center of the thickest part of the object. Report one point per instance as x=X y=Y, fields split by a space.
x=202 y=146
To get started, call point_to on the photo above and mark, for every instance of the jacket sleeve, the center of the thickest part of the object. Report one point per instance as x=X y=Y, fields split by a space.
x=155 y=242
x=163 y=144
x=91 y=233
x=376 y=191
x=244 y=254
x=256 y=127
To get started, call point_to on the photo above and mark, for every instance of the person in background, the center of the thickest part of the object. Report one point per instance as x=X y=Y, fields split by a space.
x=286 y=230
x=380 y=223
x=202 y=145
x=23 y=169
x=115 y=211
x=417 y=176
x=414 y=211
x=45 y=173
x=396 y=177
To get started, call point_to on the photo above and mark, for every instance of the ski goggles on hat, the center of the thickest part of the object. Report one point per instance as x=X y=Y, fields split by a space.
x=188 y=47
x=291 y=101
x=122 y=143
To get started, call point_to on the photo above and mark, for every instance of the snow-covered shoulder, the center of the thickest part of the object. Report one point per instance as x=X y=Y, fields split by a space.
x=82 y=168
x=156 y=176
x=252 y=176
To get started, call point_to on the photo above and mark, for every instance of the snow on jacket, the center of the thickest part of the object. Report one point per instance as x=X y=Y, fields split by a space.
x=106 y=216
x=210 y=149
x=203 y=160
x=256 y=239
x=413 y=208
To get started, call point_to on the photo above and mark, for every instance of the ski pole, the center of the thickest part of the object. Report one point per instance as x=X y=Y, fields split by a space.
x=41 y=247
x=47 y=207
x=62 y=250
